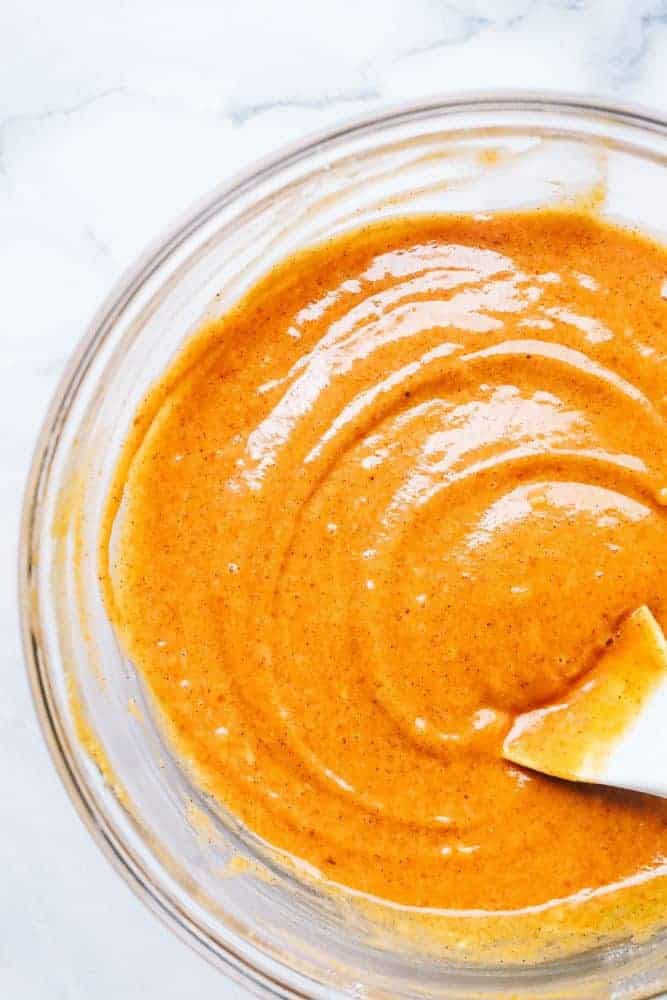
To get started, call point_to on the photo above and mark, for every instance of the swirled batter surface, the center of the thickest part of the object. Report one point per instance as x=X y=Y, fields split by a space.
x=405 y=490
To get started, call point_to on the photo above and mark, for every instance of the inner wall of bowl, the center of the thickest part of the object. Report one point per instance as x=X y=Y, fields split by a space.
x=241 y=904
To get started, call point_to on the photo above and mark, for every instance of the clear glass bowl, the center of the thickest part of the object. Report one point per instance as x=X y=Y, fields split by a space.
x=212 y=882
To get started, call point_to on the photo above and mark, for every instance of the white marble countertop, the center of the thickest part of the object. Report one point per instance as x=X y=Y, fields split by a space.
x=113 y=117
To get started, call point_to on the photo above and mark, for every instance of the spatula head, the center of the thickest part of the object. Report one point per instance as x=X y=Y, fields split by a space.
x=611 y=728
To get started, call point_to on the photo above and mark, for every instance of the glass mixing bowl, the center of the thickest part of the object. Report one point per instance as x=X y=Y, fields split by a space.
x=211 y=881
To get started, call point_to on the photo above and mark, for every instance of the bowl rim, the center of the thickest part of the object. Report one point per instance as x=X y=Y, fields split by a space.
x=221 y=953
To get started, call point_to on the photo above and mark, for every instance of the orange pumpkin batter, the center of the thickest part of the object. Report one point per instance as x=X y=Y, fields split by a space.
x=405 y=490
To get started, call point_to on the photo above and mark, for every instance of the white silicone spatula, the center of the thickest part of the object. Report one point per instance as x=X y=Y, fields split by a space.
x=612 y=727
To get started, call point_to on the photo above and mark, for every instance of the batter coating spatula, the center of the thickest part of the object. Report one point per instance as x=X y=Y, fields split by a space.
x=611 y=729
